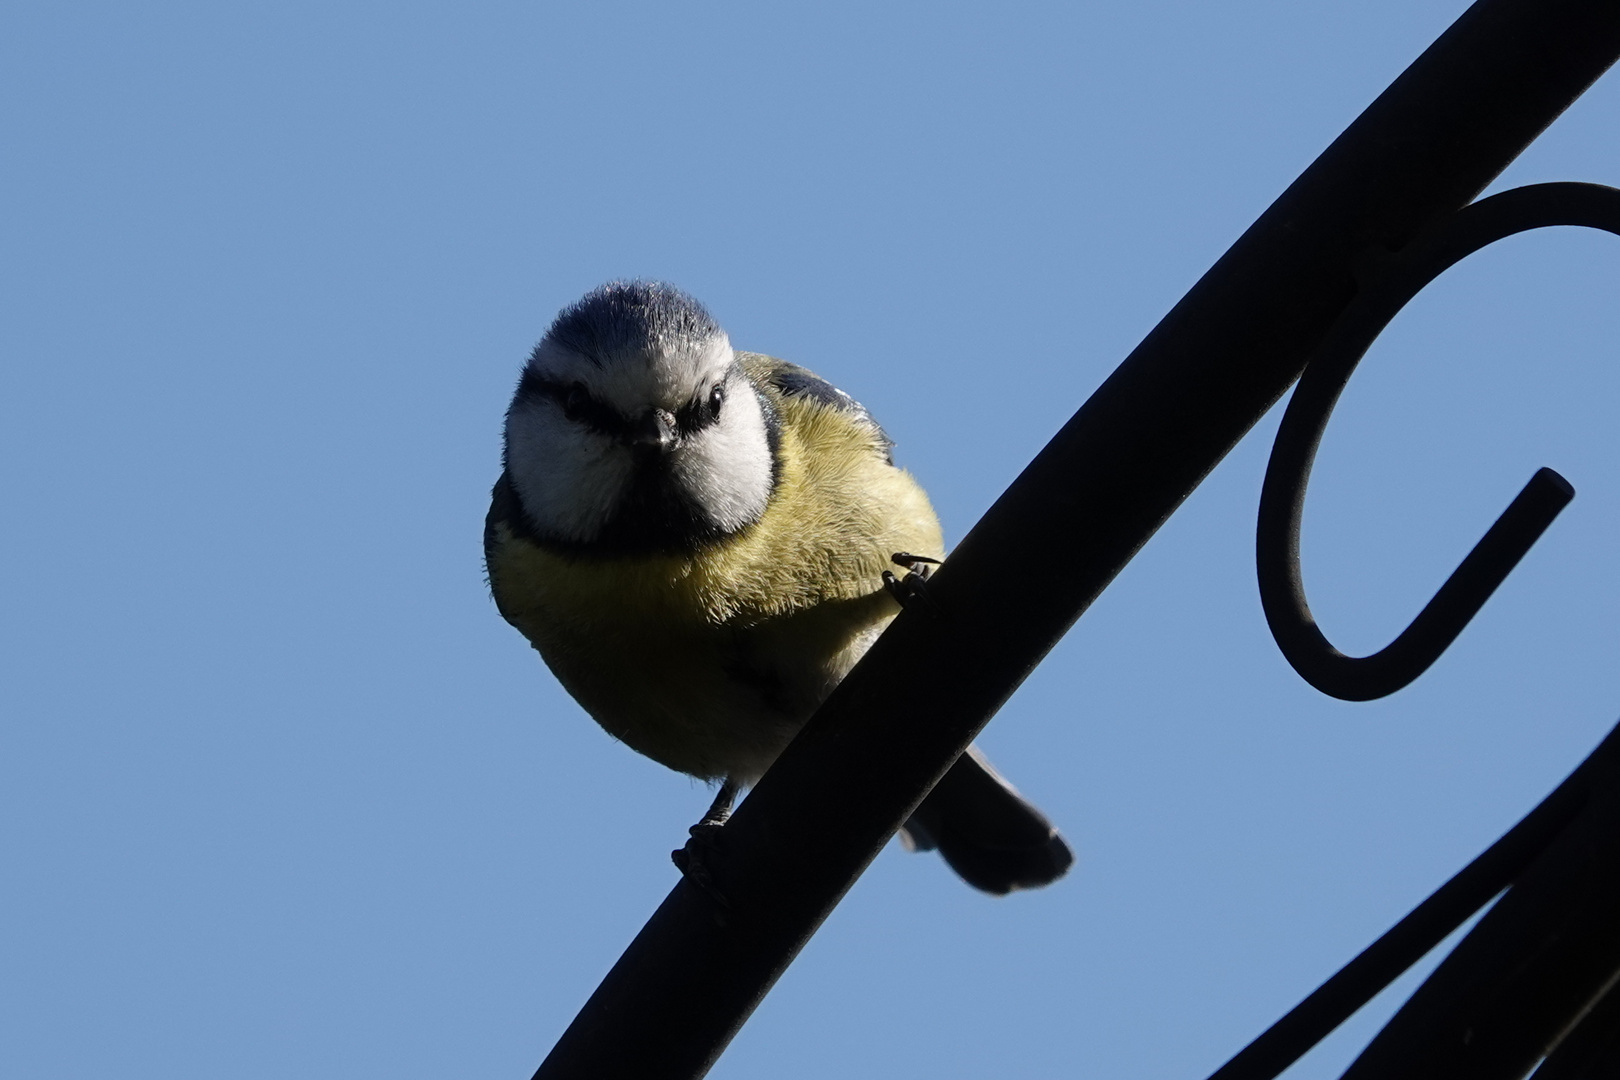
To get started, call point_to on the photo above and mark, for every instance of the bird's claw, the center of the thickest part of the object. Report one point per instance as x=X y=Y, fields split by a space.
x=702 y=851
x=911 y=591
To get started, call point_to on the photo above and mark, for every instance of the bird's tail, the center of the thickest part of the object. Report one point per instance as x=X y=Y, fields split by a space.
x=988 y=833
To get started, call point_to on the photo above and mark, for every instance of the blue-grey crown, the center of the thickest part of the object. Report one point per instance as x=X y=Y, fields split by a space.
x=628 y=318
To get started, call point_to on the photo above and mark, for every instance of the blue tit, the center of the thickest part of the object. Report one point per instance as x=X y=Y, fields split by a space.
x=695 y=540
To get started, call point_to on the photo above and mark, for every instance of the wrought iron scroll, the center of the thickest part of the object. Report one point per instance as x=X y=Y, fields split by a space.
x=1282 y=498
x=1530 y=984
x=1098 y=491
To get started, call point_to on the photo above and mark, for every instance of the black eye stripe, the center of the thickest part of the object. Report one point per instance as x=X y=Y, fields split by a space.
x=577 y=402
x=699 y=413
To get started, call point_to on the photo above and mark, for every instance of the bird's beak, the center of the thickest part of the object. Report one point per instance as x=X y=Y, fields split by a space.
x=655 y=430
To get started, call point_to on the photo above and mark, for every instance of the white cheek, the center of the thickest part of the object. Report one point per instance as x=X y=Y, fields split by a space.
x=726 y=468
x=569 y=479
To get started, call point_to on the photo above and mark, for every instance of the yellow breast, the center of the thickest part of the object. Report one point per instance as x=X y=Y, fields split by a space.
x=710 y=661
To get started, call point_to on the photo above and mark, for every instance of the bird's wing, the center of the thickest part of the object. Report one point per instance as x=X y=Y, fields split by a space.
x=794 y=382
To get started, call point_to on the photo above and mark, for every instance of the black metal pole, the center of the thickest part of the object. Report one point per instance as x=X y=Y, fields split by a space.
x=1093 y=497
x=1425 y=927
x=1538 y=961
x=1592 y=1050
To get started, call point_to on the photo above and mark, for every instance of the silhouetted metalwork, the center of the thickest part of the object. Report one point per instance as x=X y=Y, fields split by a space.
x=1508 y=860
x=1104 y=484
x=1591 y=1051
x=1395 y=280
x=1498 y=1031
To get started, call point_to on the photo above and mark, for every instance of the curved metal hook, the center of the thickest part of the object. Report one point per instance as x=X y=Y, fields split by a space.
x=1282 y=499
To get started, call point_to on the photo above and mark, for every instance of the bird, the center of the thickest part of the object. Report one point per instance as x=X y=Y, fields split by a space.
x=698 y=540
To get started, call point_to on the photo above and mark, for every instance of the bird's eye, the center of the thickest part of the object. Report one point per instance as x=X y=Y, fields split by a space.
x=717 y=397
x=574 y=400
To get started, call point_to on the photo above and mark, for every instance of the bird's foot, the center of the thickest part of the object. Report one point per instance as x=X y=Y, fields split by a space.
x=911 y=591
x=703 y=849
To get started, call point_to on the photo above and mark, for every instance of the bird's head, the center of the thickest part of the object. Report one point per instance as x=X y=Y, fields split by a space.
x=634 y=427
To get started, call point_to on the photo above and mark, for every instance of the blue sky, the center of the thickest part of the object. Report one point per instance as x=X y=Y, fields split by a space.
x=282 y=796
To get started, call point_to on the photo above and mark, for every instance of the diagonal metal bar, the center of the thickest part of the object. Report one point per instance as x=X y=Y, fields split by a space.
x=1098 y=491
x=1426 y=926
x=1591 y=1051
x=1541 y=959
